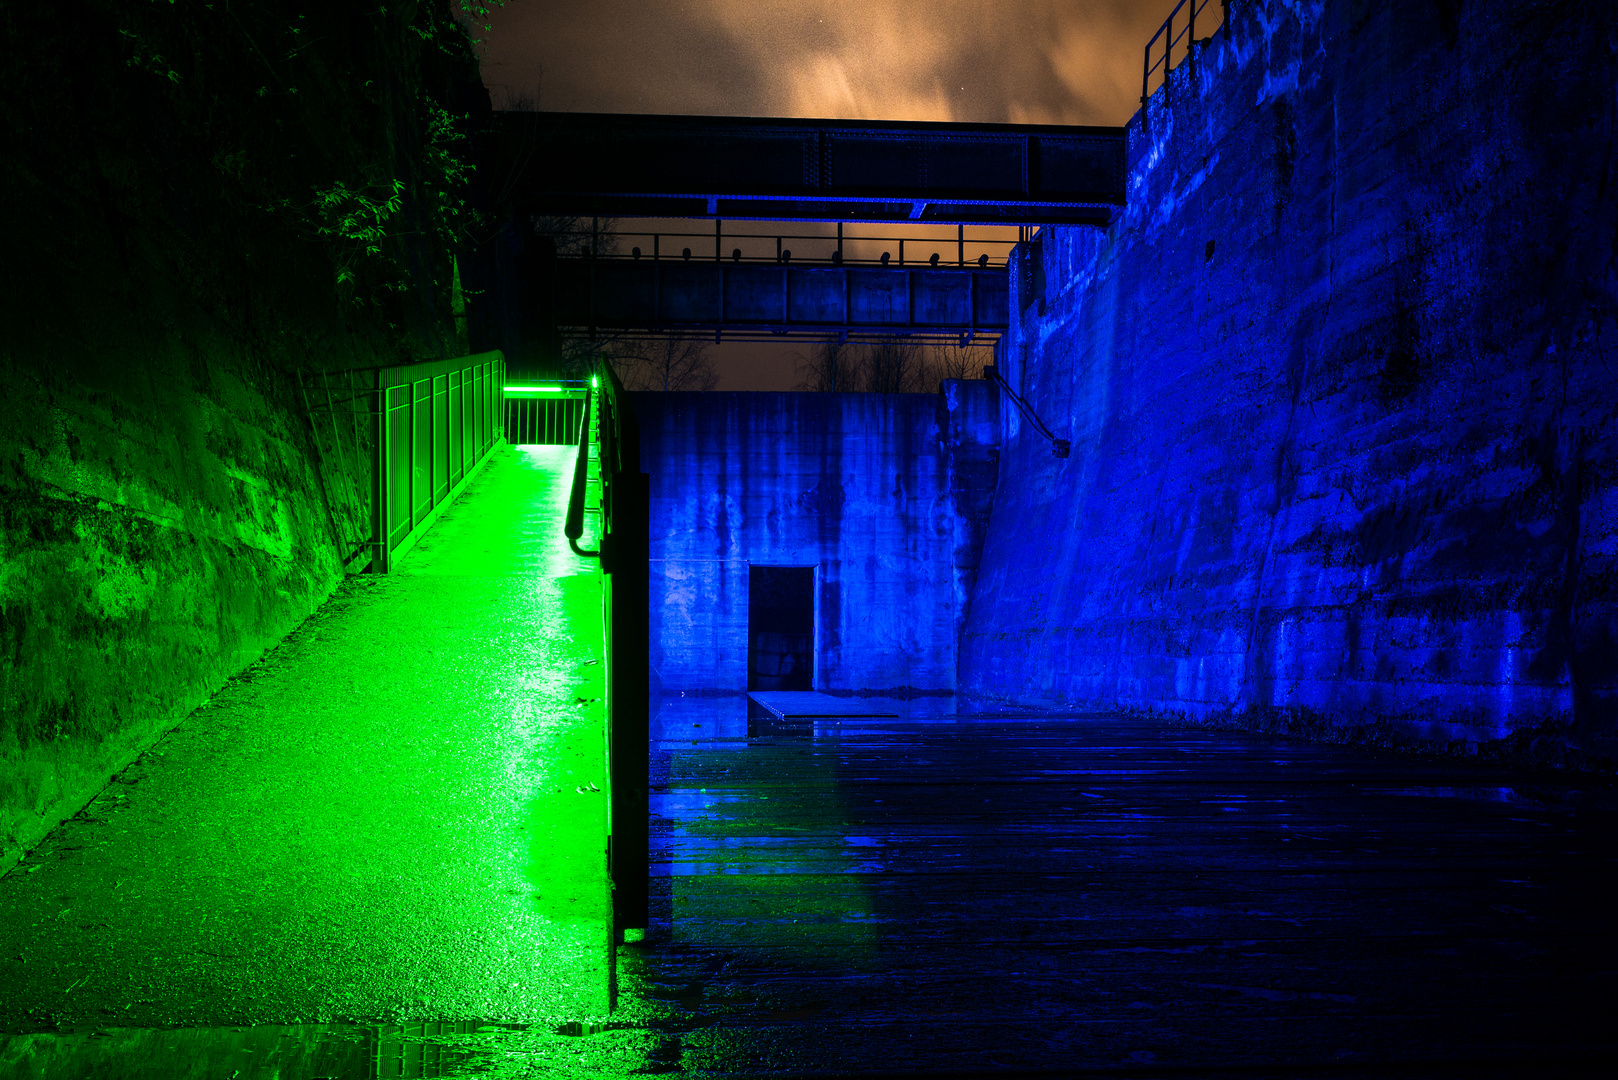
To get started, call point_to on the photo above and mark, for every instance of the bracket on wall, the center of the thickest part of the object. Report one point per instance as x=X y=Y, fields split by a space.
x=1060 y=447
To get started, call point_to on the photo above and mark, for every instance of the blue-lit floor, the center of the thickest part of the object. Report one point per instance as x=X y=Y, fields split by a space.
x=381 y=854
x=1109 y=894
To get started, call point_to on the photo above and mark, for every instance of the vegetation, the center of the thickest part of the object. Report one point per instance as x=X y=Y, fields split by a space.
x=301 y=172
x=887 y=367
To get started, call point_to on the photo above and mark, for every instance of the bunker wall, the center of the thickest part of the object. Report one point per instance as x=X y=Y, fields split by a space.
x=1340 y=389
x=862 y=487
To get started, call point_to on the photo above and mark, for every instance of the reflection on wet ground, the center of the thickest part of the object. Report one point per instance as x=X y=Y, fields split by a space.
x=1081 y=896
x=1107 y=895
x=398 y=815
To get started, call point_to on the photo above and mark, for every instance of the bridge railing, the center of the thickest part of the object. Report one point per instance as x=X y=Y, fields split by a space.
x=608 y=435
x=775 y=247
x=1170 y=39
x=547 y=413
x=413 y=435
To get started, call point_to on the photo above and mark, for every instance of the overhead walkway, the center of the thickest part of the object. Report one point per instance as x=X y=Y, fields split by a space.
x=784 y=169
x=400 y=812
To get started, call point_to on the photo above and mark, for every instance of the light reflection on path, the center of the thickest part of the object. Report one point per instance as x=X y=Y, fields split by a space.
x=380 y=821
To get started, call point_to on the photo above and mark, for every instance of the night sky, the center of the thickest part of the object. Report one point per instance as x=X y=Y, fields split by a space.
x=1014 y=61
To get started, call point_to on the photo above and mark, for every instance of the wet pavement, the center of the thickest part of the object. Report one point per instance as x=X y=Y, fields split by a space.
x=399 y=814
x=380 y=853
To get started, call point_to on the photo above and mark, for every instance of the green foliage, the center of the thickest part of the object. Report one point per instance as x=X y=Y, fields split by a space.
x=355 y=222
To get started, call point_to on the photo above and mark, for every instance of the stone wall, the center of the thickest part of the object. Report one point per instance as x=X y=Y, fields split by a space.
x=172 y=266
x=884 y=494
x=1340 y=389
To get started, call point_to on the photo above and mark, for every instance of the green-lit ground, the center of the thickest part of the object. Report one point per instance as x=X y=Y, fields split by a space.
x=399 y=814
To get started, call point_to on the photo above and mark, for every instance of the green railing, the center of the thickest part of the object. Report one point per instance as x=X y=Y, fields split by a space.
x=546 y=413
x=413 y=435
x=624 y=550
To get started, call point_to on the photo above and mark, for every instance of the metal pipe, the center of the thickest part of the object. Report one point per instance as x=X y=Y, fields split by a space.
x=573 y=528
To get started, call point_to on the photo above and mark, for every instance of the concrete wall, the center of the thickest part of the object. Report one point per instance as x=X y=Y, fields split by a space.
x=864 y=487
x=165 y=514
x=1343 y=418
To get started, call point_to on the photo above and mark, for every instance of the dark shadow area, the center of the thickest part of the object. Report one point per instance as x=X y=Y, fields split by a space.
x=780 y=627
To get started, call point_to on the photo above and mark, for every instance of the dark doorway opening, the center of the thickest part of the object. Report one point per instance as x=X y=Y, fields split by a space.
x=780 y=627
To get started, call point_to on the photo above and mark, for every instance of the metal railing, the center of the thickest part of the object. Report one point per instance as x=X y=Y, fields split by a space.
x=812 y=248
x=414 y=435
x=546 y=414
x=609 y=428
x=1170 y=40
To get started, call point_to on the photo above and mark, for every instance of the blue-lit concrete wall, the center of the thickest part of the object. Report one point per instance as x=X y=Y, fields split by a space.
x=863 y=487
x=1341 y=388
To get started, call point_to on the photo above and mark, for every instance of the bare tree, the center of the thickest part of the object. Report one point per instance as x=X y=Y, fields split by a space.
x=667 y=363
x=956 y=362
x=831 y=366
x=897 y=367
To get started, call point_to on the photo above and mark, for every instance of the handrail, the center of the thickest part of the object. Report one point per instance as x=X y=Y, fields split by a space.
x=573 y=528
x=1189 y=35
x=593 y=243
x=1060 y=447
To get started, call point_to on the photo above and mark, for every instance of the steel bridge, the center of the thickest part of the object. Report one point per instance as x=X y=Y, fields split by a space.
x=746 y=169
x=812 y=170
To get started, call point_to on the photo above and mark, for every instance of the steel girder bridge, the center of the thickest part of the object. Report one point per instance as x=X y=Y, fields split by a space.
x=746 y=169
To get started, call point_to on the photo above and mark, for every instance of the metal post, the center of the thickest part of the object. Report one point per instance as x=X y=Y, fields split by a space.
x=839 y=242
x=1168 y=55
x=716 y=225
x=1191 y=39
x=901 y=251
x=960 y=245
x=1145 y=78
x=379 y=478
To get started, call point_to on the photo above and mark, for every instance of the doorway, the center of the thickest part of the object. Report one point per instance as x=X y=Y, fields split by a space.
x=780 y=627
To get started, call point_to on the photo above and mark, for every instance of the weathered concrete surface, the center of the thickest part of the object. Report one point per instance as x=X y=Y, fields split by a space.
x=382 y=820
x=862 y=487
x=160 y=526
x=163 y=513
x=1344 y=444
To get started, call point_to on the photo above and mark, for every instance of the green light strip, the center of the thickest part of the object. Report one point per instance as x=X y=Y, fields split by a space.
x=537 y=389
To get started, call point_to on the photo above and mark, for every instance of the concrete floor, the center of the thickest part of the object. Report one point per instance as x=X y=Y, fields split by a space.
x=381 y=820
x=370 y=857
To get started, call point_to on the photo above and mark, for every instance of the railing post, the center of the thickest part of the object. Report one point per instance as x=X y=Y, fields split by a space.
x=1145 y=79
x=716 y=240
x=1191 y=39
x=960 y=245
x=379 y=474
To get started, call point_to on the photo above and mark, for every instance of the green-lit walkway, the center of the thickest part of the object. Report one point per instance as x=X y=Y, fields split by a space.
x=399 y=812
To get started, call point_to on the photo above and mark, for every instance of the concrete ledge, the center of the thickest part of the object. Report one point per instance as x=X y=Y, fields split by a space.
x=806 y=712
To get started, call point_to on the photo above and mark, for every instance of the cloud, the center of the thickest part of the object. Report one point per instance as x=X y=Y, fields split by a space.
x=1019 y=61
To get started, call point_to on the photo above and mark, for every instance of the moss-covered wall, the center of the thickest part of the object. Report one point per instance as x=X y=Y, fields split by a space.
x=200 y=201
